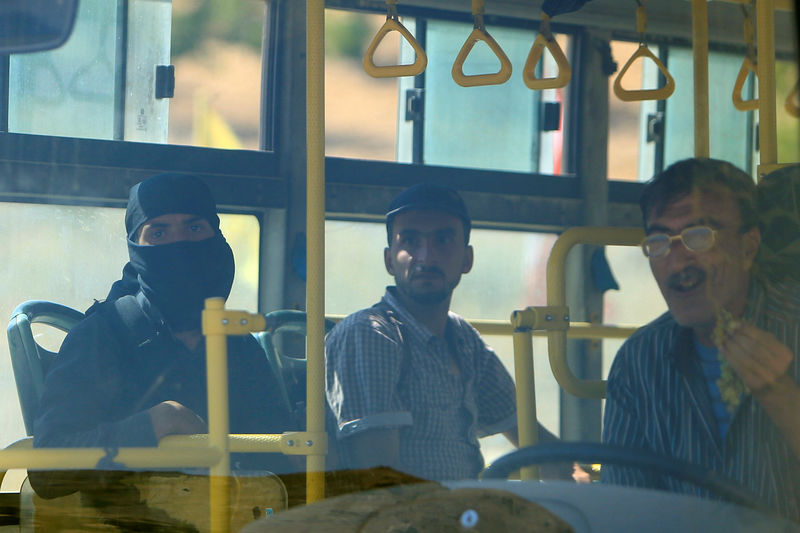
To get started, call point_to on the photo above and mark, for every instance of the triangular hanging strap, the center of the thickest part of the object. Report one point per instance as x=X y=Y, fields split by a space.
x=394 y=71
x=544 y=40
x=479 y=33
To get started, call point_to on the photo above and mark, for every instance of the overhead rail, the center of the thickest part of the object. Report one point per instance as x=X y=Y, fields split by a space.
x=643 y=52
x=546 y=40
x=748 y=64
x=394 y=71
x=479 y=33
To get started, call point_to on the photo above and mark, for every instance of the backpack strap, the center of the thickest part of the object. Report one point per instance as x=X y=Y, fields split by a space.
x=129 y=321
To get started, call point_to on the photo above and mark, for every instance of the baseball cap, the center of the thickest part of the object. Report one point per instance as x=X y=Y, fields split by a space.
x=433 y=197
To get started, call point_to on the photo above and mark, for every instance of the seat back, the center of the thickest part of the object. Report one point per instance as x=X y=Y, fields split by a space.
x=29 y=360
x=286 y=355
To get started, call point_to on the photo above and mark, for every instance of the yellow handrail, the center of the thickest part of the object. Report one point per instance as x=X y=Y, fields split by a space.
x=748 y=66
x=394 y=71
x=635 y=95
x=557 y=298
x=544 y=40
x=479 y=33
x=315 y=250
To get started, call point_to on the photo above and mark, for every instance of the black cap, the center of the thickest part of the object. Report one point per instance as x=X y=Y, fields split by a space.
x=429 y=196
x=169 y=193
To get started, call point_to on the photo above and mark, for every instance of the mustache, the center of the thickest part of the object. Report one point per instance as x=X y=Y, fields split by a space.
x=425 y=269
x=689 y=275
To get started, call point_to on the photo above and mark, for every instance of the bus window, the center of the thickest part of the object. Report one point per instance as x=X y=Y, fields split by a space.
x=638 y=300
x=356 y=278
x=786 y=79
x=631 y=151
x=101 y=86
x=71 y=255
x=730 y=130
x=74 y=91
x=493 y=127
x=216 y=50
x=360 y=117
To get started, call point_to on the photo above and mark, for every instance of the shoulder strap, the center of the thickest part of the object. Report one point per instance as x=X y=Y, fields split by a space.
x=129 y=321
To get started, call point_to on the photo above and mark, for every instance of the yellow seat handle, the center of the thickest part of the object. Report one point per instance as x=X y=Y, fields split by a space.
x=479 y=33
x=791 y=103
x=738 y=102
x=637 y=95
x=394 y=71
x=544 y=40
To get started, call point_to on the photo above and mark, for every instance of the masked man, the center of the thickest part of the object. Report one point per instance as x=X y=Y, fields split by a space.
x=134 y=370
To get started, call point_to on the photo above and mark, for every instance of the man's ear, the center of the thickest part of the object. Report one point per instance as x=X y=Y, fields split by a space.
x=469 y=258
x=751 y=241
x=387 y=261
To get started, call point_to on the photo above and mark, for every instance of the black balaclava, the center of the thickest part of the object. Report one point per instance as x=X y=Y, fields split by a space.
x=176 y=277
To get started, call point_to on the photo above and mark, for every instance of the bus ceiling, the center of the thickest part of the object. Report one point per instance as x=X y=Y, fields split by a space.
x=35 y=25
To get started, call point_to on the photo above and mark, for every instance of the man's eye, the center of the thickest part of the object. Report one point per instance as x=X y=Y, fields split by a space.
x=196 y=227
x=156 y=234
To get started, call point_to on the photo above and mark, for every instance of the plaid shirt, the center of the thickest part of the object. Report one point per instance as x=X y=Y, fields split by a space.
x=386 y=370
x=658 y=400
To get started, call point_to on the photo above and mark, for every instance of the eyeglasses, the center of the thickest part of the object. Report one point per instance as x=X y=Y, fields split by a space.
x=694 y=238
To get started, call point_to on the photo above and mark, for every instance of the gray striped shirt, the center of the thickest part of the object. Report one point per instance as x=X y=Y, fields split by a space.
x=658 y=401
x=384 y=370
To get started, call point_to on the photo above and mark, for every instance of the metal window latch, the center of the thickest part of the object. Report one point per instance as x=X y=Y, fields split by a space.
x=655 y=127
x=551 y=116
x=165 y=81
x=415 y=104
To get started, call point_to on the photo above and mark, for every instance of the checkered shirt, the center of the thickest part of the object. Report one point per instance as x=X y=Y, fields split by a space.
x=386 y=370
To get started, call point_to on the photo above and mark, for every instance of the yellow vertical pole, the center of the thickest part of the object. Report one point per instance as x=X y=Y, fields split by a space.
x=527 y=427
x=217 y=378
x=700 y=53
x=767 y=132
x=315 y=228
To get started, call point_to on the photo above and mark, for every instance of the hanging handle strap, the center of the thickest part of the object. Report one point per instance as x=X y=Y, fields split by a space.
x=479 y=33
x=544 y=40
x=394 y=71
x=643 y=52
x=791 y=104
x=749 y=64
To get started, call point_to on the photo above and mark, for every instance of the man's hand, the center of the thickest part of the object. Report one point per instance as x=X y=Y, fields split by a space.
x=756 y=355
x=173 y=418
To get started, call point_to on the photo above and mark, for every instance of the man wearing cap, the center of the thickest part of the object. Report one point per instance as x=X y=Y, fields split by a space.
x=412 y=385
x=134 y=370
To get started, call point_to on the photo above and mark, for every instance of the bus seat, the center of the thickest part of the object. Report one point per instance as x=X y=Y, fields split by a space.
x=29 y=360
x=282 y=336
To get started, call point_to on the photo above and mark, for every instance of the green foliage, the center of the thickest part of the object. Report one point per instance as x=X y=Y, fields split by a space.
x=346 y=34
x=239 y=21
x=788 y=126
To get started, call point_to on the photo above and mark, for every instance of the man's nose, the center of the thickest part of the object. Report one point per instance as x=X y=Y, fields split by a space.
x=426 y=250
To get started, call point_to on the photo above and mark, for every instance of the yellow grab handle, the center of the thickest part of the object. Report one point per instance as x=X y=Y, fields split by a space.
x=738 y=102
x=535 y=55
x=474 y=80
x=394 y=71
x=644 y=94
x=791 y=104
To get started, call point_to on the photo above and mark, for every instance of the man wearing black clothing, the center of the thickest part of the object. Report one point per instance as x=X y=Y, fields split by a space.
x=134 y=370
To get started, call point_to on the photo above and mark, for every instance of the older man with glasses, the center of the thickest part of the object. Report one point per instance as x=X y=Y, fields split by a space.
x=713 y=381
